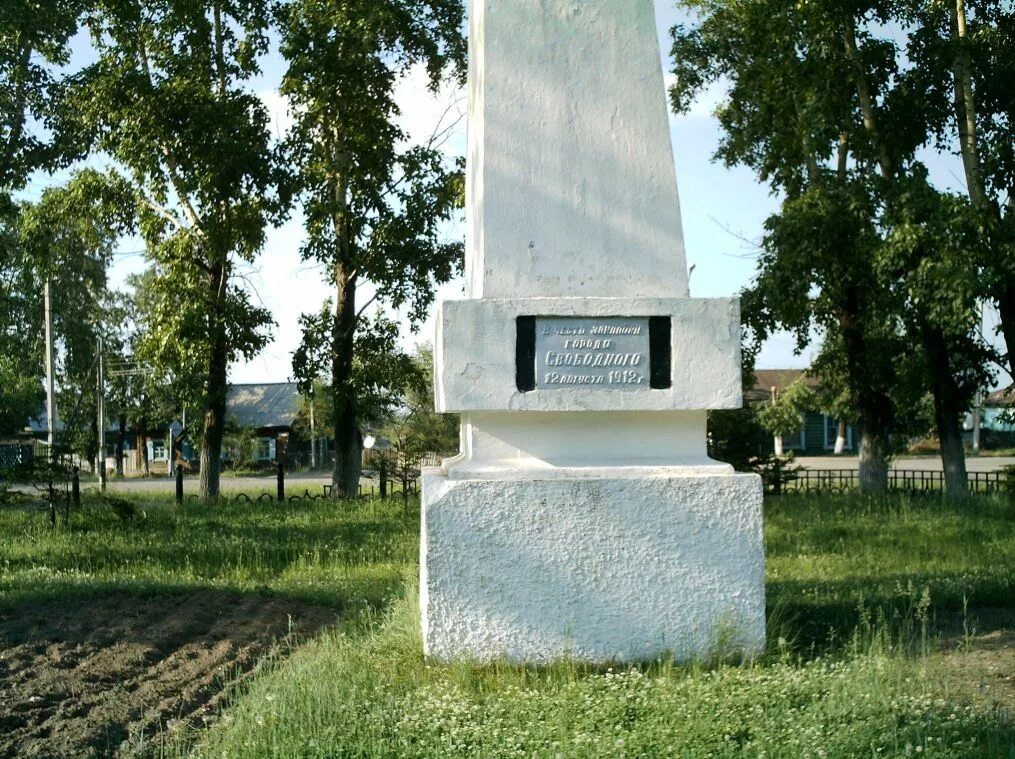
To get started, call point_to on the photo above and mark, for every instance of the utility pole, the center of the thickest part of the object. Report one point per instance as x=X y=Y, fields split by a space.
x=50 y=388
x=101 y=408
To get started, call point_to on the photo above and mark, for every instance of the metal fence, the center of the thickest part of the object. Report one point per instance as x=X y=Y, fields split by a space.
x=903 y=480
x=16 y=455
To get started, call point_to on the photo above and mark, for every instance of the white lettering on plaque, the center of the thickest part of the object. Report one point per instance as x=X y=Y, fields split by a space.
x=605 y=352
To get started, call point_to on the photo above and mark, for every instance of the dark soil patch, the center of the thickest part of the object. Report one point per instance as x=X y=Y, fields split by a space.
x=978 y=659
x=98 y=678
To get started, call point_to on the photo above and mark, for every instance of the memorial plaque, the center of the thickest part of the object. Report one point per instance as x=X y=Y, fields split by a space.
x=607 y=353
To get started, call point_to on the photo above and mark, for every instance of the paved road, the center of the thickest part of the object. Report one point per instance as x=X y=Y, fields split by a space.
x=924 y=463
x=295 y=484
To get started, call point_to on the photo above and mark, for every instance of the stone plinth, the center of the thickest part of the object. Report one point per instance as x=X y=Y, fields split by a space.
x=614 y=568
x=476 y=362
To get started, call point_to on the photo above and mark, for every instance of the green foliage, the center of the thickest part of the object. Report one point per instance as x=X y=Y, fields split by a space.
x=168 y=98
x=827 y=105
x=381 y=371
x=34 y=38
x=736 y=437
x=340 y=555
x=239 y=447
x=67 y=237
x=373 y=204
x=417 y=429
x=854 y=588
x=784 y=415
x=962 y=68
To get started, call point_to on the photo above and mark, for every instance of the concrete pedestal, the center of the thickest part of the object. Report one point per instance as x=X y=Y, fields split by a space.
x=623 y=568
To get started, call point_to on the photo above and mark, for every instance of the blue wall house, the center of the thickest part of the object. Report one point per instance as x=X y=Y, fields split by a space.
x=997 y=419
x=818 y=430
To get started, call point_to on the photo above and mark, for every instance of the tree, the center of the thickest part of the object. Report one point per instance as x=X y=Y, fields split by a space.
x=373 y=206
x=21 y=349
x=416 y=429
x=33 y=43
x=933 y=238
x=963 y=56
x=784 y=415
x=379 y=376
x=416 y=419
x=141 y=392
x=818 y=108
x=68 y=238
x=823 y=242
x=167 y=100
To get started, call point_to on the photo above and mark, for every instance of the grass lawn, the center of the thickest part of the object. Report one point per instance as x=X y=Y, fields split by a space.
x=891 y=628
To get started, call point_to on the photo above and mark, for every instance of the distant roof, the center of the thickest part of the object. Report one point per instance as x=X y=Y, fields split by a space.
x=780 y=379
x=1001 y=398
x=268 y=405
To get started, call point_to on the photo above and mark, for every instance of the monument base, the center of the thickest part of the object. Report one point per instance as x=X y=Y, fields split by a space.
x=620 y=568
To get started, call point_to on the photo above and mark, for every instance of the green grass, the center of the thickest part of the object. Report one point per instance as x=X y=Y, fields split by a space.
x=831 y=559
x=373 y=696
x=859 y=592
x=344 y=556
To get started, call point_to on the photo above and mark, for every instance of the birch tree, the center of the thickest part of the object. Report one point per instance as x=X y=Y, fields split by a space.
x=819 y=106
x=169 y=100
x=374 y=204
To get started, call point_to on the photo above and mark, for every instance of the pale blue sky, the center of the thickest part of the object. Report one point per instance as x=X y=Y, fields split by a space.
x=721 y=208
x=723 y=212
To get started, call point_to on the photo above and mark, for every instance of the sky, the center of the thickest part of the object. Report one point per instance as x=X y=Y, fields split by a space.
x=721 y=208
x=723 y=212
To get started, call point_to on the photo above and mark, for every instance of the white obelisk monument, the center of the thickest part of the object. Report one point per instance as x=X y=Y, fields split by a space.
x=583 y=517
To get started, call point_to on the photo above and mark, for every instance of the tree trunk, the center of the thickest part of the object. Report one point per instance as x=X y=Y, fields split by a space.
x=214 y=420
x=216 y=384
x=874 y=448
x=874 y=408
x=965 y=108
x=93 y=446
x=866 y=98
x=964 y=104
x=949 y=409
x=345 y=473
x=840 y=439
x=777 y=442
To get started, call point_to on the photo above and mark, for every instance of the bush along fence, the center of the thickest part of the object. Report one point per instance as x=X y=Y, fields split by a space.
x=785 y=479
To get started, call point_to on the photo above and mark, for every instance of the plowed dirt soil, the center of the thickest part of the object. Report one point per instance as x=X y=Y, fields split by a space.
x=104 y=677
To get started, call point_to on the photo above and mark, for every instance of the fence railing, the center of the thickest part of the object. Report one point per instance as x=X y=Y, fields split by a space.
x=907 y=480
